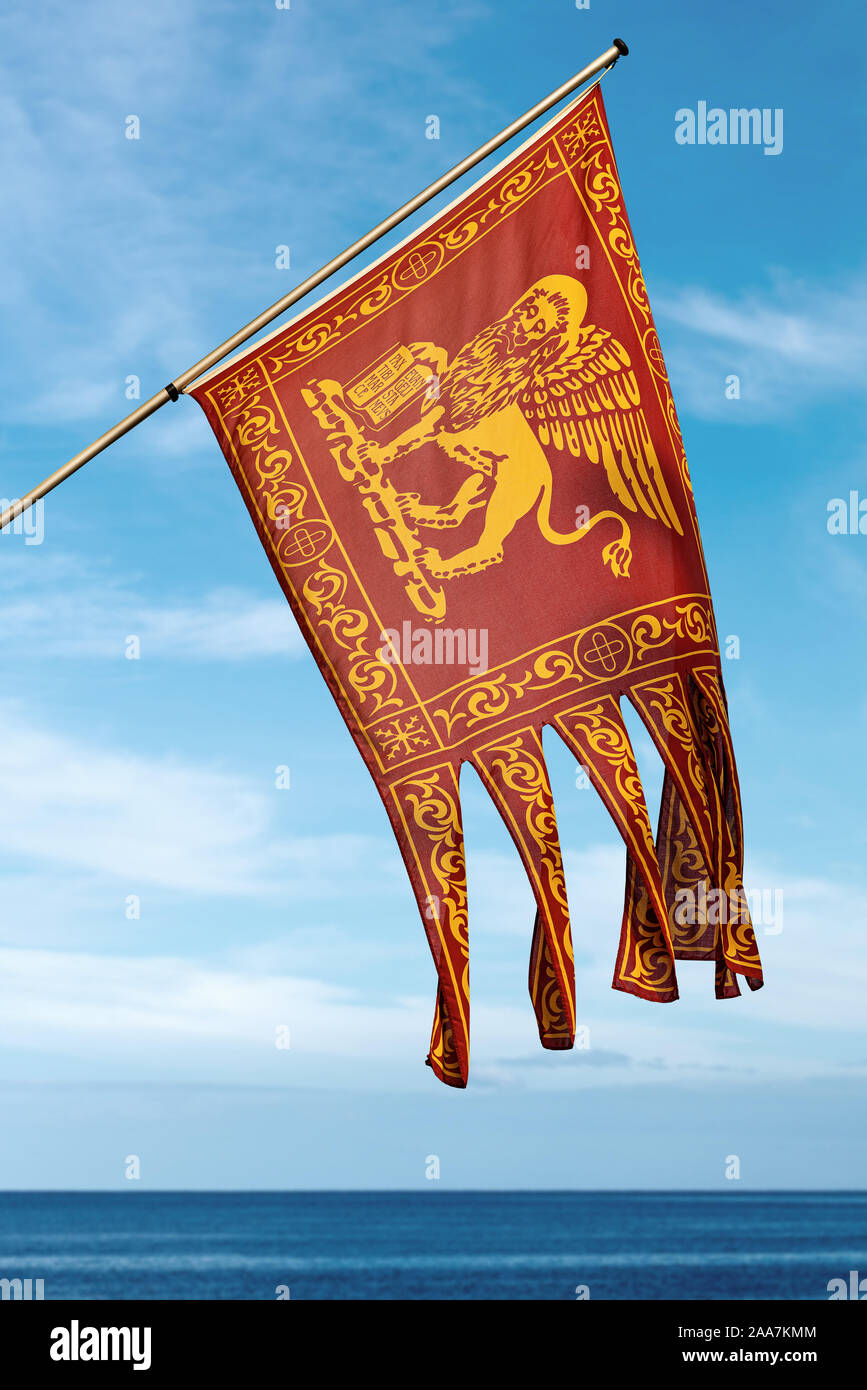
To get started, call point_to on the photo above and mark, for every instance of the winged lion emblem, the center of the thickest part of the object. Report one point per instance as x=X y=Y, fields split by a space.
x=537 y=380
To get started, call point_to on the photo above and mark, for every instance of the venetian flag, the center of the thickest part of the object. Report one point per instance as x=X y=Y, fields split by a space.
x=466 y=469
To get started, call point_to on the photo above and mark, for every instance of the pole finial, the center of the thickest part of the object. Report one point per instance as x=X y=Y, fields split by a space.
x=622 y=48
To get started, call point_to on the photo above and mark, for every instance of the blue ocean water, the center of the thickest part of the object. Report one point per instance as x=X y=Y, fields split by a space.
x=433 y=1244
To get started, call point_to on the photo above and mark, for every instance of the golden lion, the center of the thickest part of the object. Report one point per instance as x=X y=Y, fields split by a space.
x=537 y=378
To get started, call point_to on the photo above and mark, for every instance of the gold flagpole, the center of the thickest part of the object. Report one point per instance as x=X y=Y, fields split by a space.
x=179 y=383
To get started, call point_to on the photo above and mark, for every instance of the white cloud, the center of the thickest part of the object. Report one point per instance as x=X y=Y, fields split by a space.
x=104 y=1005
x=56 y=606
x=792 y=344
x=190 y=1014
x=117 y=263
x=166 y=822
x=218 y=1020
x=88 y=820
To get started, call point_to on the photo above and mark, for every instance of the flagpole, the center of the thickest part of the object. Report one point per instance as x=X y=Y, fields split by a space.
x=176 y=387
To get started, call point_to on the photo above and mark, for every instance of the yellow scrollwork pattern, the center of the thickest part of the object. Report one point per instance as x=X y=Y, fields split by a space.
x=435 y=812
x=526 y=775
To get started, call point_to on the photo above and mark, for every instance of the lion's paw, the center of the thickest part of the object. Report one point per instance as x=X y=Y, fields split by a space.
x=372 y=457
x=619 y=556
x=408 y=504
x=455 y=567
x=431 y=559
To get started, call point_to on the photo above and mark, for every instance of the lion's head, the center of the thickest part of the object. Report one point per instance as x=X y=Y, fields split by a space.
x=495 y=368
x=545 y=320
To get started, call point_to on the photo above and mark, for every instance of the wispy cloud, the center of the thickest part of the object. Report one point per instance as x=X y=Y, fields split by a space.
x=792 y=344
x=84 y=817
x=194 y=1020
x=59 y=605
x=73 y=805
x=89 y=293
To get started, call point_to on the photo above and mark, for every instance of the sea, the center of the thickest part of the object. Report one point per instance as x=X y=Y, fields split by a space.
x=433 y=1244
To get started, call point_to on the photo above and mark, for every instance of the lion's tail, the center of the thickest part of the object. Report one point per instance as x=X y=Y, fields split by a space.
x=543 y=517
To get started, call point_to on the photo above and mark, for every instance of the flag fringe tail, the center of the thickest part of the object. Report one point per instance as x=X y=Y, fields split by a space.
x=596 y=734
x=514 y=771
x=700 y=834
x=426 y=817
x=684 y=896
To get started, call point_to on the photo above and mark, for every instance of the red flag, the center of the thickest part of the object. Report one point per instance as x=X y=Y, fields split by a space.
x=466 y=469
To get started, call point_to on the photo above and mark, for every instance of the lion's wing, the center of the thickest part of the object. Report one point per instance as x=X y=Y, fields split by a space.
x=589 y=404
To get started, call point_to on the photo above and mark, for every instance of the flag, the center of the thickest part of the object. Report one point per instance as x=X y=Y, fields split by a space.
x=466 y=469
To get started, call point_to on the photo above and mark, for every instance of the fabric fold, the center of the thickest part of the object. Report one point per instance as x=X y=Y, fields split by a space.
x=516 y=776
x=700 y=834
x=596 y=734
x=426 y=817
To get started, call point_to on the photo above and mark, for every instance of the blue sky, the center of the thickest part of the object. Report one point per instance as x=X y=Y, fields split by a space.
x=262 y=908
